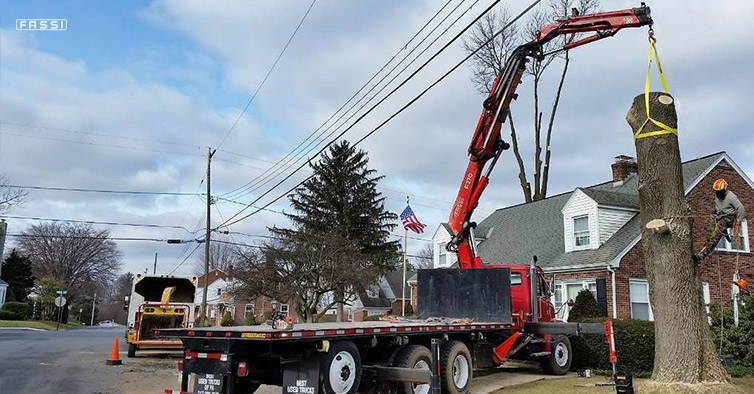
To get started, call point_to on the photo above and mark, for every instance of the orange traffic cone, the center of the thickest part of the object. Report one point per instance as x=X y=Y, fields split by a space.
x=114 y=358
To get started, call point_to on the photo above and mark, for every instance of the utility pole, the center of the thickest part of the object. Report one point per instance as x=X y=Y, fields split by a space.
x=3 y=229
x=206 y=238
x=94 y=302
x=154 y=270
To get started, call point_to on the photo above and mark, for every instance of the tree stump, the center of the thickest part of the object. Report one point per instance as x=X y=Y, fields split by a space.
x=684 y=350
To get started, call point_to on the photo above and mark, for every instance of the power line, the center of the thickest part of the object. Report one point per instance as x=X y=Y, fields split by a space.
x=108 y=135
x=411 y=102
x=249 y=184
x=301 y=22
x=46 y=236
x=184 y=260
x=290 y=164
x=71 y=189
x=107 y=223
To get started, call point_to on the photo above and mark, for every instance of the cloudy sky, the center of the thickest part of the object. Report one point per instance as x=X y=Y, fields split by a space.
x=130 y=96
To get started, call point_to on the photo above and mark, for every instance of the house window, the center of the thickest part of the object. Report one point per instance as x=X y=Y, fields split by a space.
x=568 y=290
x=284 y=309
x=740 y=244
x=581 y=230
x=219 y=291
x=373 y=291
x=248 y=309
x=515 y=278
x=640 y=307
x=443 y=256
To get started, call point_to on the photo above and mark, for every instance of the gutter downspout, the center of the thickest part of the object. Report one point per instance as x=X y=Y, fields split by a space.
x=614 y=296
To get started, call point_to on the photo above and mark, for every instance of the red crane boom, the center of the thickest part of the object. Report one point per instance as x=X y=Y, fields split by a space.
x=487 y=145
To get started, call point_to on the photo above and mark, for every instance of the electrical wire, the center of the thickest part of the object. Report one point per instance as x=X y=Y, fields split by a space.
x=291 y=164
x=107 y=223
x=184 y=260
x=47 y=236
x=72 y=189
x=407 y=105
x=347 y=101
x=245 y=108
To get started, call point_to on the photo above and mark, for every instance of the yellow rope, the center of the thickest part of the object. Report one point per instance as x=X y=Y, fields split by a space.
x=664 y=129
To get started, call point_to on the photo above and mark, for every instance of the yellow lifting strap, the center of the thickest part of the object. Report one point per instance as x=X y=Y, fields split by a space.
x=664 y=129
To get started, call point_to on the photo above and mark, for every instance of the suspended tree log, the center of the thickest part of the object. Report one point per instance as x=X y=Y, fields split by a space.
x=684 y=350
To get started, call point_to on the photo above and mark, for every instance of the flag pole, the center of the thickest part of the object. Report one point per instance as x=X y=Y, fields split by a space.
x=403 y=284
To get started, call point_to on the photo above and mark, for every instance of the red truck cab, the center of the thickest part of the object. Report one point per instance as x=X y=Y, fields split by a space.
x=521 y=290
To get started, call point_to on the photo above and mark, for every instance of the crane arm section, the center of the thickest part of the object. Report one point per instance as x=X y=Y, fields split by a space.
x=486 y=143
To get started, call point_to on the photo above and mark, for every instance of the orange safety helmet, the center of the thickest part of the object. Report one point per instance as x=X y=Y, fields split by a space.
x=720 y=184
x=742 y=284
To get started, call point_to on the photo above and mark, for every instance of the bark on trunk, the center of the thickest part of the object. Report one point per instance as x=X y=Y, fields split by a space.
x=684 y=351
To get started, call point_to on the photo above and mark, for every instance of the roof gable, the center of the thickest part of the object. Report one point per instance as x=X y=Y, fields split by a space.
x=524 y=230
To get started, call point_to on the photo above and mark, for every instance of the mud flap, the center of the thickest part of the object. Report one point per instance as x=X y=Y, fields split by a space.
x=301 y=377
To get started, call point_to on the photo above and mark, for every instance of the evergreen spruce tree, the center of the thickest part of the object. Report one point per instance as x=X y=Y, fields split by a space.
x=17 y=273
x=585 y=307
x=341 y=202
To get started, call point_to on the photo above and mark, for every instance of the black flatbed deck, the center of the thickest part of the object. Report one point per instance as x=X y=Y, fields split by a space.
x=328 y=330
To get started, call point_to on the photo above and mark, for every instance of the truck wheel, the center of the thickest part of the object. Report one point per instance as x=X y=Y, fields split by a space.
x=456 y=368
x=560 y=358
x=340 y=368
x=131 y=350
x=416 y=357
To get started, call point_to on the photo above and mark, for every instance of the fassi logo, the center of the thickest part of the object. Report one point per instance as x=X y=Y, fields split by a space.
x=42 y=24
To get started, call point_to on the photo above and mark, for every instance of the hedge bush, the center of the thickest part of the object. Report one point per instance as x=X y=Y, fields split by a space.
x=7 y=315
x=585 y=307
x=20 y=309
x=227 y=320
x=250 y=320
x=634 y=346
x=373 y=318
x=737 y=341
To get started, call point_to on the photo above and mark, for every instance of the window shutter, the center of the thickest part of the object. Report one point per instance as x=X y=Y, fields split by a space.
x=602 y=295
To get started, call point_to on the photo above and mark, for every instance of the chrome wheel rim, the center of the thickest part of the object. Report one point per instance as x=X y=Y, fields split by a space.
x=561 y=354
x=420 y=388
x=461 y=371
x=342 y=372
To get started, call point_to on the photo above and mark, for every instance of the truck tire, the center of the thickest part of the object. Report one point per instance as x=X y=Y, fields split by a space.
x=456 y=368
x=131 y=350
x=340 y=368
x=416 y=357
x=561 y=357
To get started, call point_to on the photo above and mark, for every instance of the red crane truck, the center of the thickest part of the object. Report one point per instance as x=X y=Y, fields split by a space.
x=487 y=313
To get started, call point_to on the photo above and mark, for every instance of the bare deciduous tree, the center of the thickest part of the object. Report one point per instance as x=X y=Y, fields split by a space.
x=77 y=254
x=423 y=259
x=489 y=62
x=223 y=256
x=10 y=196
x=305 y=269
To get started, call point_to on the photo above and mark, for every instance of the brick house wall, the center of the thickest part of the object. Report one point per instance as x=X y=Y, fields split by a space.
x=718 y=267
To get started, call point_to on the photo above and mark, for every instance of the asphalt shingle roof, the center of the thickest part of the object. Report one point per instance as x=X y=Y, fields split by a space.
x=514 y=234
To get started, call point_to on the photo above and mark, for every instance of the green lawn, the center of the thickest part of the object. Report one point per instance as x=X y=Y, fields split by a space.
x=574 y=386
x=40 y=324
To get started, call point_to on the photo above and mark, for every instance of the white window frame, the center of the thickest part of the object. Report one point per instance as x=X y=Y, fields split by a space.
x=373 y=291
x=246 y=310
x=442 y=255
x=728 y=247
x=284 y=309
x=631 y=301
x=587 y=231
x=561 y=286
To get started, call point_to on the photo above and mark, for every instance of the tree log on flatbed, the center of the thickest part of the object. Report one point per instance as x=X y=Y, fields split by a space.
x=684 y=351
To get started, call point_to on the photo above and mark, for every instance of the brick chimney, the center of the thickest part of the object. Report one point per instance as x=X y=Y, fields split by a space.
x=623 y=166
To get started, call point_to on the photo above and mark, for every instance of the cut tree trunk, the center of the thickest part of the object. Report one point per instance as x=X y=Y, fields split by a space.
x=684 y=351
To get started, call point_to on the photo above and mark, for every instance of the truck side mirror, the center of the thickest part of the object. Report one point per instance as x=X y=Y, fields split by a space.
x=125 y=303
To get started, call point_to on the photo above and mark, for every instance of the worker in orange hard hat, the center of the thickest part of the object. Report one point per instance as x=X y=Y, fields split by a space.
x=728 y=213
x=743 y=286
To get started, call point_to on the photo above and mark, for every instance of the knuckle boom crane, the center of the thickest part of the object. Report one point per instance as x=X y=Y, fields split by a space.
x=487 y=145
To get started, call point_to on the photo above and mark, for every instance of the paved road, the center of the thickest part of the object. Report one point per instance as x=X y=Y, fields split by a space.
x=73 y=362
x=54 y=361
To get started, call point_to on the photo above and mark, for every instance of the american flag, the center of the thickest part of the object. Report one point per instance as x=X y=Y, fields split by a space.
x=411 y=222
